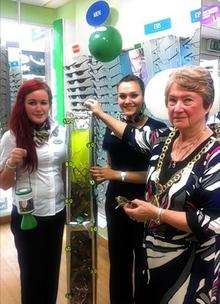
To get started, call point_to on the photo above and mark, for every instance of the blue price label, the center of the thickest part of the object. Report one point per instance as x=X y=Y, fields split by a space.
x=157 y=26
x=195 y=15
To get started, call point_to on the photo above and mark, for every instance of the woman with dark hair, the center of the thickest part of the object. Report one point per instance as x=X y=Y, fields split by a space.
x=182 y=208
x=125 y=236
x=33 y=149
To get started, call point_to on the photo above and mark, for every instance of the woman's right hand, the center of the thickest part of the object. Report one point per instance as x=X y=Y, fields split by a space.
x=101 y=174
x=141 y=211
x=16 y=157
x=94 y=106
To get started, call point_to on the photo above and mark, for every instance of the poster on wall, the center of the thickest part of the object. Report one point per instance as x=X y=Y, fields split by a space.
x=138 y=63
x=33 y=63
x=133 y=62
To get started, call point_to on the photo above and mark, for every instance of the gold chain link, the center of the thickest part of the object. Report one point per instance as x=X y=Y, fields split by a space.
x=161 y=189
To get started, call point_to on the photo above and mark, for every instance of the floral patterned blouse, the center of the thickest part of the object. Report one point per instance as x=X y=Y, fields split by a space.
x=183 y=267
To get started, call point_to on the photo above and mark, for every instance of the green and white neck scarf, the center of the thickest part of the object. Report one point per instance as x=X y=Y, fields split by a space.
x=41 y=134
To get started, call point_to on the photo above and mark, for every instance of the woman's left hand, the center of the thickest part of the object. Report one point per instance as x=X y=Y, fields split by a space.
x=94 y=106
x=140 y=211
x=101 y=174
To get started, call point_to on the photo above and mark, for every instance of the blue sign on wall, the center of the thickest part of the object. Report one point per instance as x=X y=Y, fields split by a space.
x=195 y=15
x=157 y=26
x=97 y=13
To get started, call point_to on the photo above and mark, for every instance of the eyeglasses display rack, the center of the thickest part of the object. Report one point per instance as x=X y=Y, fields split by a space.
x=5 y=108
x=81 y=214
x=15 y=77
x=85 y=78
x=5 y=105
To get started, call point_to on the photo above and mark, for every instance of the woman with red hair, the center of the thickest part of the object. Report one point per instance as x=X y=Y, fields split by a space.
x=34 y=146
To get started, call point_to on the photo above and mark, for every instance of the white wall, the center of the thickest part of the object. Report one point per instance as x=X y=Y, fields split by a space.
x=132 y=16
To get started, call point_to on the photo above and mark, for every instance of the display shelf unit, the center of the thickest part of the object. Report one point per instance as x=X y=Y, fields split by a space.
x=81 y=248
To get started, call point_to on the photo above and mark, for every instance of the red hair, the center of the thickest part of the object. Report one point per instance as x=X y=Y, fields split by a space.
x=20 y=124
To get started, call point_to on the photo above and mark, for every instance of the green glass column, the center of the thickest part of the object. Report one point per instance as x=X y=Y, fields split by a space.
x=58 y=67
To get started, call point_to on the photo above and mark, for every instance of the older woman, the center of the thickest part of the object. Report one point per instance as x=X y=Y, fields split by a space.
x=182 y=208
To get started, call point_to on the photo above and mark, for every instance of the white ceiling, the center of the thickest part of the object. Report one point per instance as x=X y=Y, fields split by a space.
x=45 y=3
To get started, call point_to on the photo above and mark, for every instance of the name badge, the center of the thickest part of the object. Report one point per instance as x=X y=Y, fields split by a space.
x=57 y=141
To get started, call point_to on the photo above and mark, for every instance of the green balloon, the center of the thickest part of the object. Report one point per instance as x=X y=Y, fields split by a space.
x=105 y=43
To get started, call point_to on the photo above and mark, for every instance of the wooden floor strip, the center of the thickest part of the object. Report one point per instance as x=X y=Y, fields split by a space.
x=9 y=271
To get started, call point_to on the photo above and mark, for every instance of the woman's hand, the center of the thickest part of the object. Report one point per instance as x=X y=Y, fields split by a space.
x=115 y=125
x=101 y=174
x=94 y=106
x=7 y=175
x=140 y=211
x=16 y=157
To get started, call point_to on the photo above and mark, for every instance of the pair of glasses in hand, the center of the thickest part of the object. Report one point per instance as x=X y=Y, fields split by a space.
x=121 y=201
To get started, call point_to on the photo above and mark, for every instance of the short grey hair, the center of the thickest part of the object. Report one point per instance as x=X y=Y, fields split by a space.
x=196 y=79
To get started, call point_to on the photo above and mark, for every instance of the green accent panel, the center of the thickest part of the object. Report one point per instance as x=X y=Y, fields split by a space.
x=137 y=45
x=29 y=13
x=58 y=68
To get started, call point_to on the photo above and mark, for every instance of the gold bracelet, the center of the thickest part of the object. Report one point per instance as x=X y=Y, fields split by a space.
x=9 y=166
x=159 y=214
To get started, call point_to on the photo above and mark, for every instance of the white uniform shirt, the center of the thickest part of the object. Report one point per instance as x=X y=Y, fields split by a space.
x=46 y=182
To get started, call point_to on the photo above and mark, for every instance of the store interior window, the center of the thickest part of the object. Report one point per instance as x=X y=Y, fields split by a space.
x=25 y=54
x=28 y=48
x=210 y=47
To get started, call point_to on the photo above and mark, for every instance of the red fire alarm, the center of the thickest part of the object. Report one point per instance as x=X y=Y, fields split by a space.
x=76 y=48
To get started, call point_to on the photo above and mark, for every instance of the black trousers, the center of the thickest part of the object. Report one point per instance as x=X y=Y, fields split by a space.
x=39 y=254
x=125 y=238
